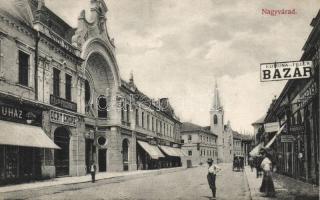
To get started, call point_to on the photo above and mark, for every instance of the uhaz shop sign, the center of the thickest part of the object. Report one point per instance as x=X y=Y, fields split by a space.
x=278 y=71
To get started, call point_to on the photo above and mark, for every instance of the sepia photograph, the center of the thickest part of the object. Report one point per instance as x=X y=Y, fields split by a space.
x=159 y=99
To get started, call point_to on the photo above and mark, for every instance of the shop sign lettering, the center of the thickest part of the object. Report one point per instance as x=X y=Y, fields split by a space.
x=287 y=138
x=63 y=118
x=285 y=70
x=20 y=114
x=308 y=93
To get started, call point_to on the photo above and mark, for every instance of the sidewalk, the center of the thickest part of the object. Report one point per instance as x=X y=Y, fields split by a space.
x=84 y=179
x=286 y=188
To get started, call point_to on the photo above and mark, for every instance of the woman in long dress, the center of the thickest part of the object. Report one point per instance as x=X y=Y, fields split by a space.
x=267 y=185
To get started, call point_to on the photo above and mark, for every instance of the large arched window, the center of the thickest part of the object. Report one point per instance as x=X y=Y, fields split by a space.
x=215 y=119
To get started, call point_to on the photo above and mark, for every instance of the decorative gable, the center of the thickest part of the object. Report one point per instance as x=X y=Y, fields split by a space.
x=94 y=28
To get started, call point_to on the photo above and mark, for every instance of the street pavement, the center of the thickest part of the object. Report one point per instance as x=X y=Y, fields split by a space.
x=183 y=184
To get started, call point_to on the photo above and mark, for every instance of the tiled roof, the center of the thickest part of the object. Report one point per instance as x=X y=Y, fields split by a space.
x=188 y=127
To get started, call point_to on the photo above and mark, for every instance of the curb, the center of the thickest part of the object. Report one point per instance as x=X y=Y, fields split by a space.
x=103 y=179
x=248 y=185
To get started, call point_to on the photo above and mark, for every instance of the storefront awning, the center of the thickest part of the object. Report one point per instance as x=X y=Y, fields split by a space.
x=274 y=137
x=170 y=151
x=152 y=150
x=255 y=151
x=24 y=135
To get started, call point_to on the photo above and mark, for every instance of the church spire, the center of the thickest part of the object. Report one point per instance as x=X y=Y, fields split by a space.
x=216 y=98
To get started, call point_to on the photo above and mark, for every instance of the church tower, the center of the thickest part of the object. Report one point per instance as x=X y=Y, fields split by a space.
x=217 y=122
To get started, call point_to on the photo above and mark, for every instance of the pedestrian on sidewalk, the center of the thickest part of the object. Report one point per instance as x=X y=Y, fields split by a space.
x=93 y=169
x=211 y=176
x=251 y=163
x=258 y=161
x=267 y=185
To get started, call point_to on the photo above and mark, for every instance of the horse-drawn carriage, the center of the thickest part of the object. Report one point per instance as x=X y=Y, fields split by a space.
x=238 y=163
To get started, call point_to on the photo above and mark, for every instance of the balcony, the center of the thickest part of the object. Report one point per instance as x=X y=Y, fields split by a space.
x=125 y=123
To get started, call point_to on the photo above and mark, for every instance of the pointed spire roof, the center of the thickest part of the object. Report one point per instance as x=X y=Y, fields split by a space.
x=216 y=98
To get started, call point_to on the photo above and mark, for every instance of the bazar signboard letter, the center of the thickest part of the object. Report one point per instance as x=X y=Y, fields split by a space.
x=285 y=70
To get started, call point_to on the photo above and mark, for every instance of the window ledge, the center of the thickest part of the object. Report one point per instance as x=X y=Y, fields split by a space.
x=24 y=86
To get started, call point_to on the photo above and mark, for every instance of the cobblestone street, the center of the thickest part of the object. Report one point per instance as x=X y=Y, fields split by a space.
x=185 y=184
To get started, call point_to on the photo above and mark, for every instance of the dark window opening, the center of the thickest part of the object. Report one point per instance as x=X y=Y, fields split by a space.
x=87 y=92
x=102 y=107
x=23 y=68
x=137 y=117
x=128 y=113
x=68 y=87
x=56 y=82
x=215 y=119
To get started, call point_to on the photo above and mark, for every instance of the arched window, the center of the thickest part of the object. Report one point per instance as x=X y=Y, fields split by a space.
x=215 y=119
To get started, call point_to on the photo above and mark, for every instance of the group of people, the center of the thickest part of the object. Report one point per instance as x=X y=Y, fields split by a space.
x=262 y=163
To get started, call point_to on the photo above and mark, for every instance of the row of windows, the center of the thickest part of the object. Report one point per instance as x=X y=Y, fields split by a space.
x=56 y=84
x=147 y=121
x=208 y=139
x=151 y=123
x=23 y=79
x=203 y=152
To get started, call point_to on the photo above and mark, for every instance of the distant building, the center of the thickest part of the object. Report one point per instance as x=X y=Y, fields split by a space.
x=242 y=145
x=224 y=133
x=198 y=143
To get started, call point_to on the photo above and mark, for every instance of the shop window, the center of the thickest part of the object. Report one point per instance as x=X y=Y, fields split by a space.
x=56 y=82
x=190 y=152
x=23 y=68
x=68 y=86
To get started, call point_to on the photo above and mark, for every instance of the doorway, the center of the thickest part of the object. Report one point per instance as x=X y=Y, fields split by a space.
x=61 y=156
x=90 y=153
x=102 y=159
x=125 y=154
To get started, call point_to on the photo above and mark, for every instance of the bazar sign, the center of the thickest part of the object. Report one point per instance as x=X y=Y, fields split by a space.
x=271 y=127
x=285 y=70
x=62 y=118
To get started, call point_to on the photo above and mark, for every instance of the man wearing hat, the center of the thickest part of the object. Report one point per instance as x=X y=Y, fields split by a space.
x=211 y=176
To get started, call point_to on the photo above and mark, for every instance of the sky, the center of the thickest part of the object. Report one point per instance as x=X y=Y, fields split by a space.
x=179 y=48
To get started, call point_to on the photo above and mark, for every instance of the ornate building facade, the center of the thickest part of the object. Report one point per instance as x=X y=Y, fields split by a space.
x=64 y=104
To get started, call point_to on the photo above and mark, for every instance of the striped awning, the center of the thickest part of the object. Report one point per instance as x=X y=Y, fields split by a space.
x=171 y=151
x=153 y=151
x=17 y=134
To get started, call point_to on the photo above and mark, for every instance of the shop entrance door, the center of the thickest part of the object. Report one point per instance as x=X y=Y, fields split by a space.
x=90 y=152
x=125 y=154
x=61 y=156
x=102 y=160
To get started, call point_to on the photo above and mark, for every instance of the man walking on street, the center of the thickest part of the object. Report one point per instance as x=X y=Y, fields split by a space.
x=211 y=176
x=93 y=169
